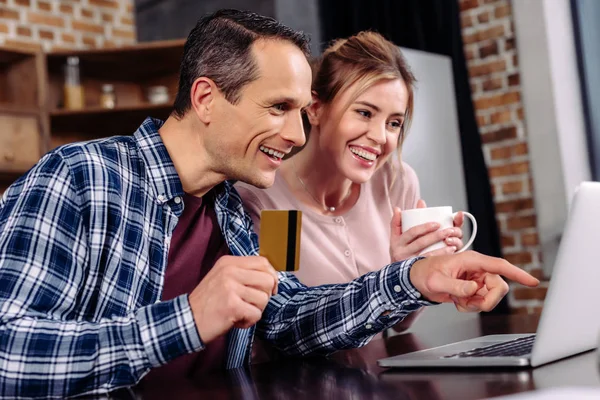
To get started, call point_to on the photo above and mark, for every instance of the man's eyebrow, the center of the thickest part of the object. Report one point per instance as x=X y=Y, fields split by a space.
x=373 y=106
x=289 y=100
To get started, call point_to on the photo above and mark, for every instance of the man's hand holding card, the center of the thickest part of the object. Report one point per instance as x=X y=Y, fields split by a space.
x=279 y=240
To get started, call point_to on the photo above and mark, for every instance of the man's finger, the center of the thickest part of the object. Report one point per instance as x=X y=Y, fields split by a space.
x=496 y=290
x=421 y=204
x=442 y=284
x=259 y=280
x=257 y=298
x=473 y=261
x=256 y=263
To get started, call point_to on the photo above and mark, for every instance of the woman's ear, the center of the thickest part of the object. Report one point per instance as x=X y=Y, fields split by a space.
x=202 y=95
x=315 y=110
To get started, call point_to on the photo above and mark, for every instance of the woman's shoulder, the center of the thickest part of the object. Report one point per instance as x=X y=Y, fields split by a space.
x=397 y=183
x=397 y=173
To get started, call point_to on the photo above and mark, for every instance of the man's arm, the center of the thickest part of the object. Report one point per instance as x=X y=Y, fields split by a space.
x=47 y=347
x=324 y=319
x=321 y=320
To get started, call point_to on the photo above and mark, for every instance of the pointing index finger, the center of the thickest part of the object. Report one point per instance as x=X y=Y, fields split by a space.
x=499 y=266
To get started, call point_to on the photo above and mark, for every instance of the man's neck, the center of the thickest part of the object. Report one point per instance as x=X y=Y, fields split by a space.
x=183 y=139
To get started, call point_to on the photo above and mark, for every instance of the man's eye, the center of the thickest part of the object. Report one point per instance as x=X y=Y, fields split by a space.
x=280 y=107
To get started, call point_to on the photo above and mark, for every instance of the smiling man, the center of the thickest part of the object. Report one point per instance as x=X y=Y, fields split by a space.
x=129 y=255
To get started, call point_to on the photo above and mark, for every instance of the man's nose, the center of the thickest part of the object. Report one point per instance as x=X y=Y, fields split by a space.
x=294 y=131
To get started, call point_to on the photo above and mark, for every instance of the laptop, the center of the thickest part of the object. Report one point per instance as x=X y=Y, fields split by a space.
x=570 y=320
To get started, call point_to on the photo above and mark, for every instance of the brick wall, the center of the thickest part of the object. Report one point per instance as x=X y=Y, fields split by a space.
x=490 y=49
x=67 y=24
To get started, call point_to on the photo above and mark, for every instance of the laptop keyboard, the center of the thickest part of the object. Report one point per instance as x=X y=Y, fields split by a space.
x=511 y=348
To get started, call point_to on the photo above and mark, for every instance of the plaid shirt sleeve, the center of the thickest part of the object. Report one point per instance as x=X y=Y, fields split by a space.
x=46 y=349
x=302 y=320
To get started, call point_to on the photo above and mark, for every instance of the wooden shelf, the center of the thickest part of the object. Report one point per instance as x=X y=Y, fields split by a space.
x=31 y=94
x=100 y=122
x=18 y=110
x=135 y=63
x=11 y=55
x=22 y=96
x=99 y=110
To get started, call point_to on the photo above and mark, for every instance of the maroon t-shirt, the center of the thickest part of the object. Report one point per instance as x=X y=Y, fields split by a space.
x=196 y=245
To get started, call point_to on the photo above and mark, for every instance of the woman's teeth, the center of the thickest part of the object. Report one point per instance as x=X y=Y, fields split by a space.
x=272 y=153
x=364 y=154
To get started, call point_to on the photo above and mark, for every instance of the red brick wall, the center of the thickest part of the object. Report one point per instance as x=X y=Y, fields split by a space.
x=56 y=24
x=490 y=49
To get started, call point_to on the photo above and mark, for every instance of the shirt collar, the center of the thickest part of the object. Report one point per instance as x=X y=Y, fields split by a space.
x=161 y=170
x=159 y=166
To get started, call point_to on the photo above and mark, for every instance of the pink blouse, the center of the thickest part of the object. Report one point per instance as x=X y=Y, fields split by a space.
x=338 y=249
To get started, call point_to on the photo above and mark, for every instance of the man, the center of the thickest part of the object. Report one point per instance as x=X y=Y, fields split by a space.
x=125 y=254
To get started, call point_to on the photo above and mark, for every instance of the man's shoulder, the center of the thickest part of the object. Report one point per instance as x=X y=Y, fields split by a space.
x=100 y=161
x=110 y=148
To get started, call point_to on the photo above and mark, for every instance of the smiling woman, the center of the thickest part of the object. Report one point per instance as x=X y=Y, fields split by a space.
x=347 y=180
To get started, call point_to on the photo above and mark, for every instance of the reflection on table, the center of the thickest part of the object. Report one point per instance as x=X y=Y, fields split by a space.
x=354 y=374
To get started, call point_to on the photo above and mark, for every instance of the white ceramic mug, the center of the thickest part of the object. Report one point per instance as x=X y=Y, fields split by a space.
x=443 y=216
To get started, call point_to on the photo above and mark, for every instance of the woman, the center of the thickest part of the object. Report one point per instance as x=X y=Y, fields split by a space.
x=345 y=180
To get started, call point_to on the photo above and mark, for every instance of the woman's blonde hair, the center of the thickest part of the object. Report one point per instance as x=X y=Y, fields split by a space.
x=363 y=59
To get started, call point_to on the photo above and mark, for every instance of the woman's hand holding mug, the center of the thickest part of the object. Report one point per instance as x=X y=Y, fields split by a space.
x=428 y=232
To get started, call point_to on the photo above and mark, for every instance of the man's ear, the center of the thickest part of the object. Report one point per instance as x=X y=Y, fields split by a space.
x=315 y=110
x=202 y=96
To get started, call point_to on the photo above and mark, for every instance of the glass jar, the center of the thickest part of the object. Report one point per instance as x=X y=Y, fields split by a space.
x=108 y=98
x=73 y=90
x=158 y=95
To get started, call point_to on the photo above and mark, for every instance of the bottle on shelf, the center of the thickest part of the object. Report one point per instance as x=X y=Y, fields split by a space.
x=158 y=95
x=108 y=98
x=73 y=90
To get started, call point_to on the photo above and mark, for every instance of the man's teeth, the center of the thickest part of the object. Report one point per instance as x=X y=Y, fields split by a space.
x=367 y=155
x=271 y=152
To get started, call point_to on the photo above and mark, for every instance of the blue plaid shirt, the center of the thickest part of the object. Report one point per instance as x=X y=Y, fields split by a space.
x=84 y=239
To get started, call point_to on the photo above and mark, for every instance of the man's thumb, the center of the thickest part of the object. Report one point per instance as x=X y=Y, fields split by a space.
x=469 y=288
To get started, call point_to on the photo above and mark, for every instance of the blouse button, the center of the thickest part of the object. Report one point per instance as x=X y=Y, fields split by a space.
x=338 y=220
x=347 y=253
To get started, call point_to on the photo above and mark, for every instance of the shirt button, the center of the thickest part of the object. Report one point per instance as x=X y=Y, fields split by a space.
x=397 y=289
x=347 y=253
x=368 y=326
x=338 y=220
x=161 y=198
x=167 y=240
x=177 y=200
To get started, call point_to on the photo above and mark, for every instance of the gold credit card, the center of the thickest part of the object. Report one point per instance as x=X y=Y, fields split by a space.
x=279 y=239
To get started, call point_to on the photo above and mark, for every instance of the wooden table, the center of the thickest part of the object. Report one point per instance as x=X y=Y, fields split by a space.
x=354 y=374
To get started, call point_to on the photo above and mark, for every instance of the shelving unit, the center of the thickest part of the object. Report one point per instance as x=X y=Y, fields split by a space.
x=22 y=119
x=33 y=120
x=131 y=70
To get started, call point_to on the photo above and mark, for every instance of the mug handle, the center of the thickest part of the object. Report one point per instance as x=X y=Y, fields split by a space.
x=473 y=233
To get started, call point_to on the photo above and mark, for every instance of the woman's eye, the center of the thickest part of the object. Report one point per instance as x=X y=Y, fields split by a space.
x=395 y=124
x=364 y=113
